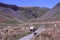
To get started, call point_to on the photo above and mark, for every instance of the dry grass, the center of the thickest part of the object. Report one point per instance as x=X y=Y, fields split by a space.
x=48 y=34
x=13 y=33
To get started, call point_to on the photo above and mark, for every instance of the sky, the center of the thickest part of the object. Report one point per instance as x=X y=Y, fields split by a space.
x=39 y=3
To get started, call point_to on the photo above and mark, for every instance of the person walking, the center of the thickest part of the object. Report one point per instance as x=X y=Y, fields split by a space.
x=32 y=29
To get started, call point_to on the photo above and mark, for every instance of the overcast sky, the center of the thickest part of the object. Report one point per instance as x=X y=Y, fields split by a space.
x=40 y=3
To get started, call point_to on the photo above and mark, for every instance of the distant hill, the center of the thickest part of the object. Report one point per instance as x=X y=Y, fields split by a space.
x=53 y=14
x=21 y=14
x=13 y=13
x=32 y=12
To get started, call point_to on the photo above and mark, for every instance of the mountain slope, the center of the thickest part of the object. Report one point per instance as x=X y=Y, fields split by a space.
x=21 y=14
x=7 y=12
x=33 y=12
x=53 y=14
x=8 y=19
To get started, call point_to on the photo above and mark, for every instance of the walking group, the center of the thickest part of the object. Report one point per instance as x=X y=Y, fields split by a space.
x=33 y=29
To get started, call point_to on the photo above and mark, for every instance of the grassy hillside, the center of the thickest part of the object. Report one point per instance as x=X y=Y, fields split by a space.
x=22 y=14
x=53 y=14
x=5 y=18
x=28 y=13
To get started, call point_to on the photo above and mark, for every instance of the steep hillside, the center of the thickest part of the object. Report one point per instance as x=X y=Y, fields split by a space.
x=5 y=18
x=53 y=14
x=21 y=14
x=33 y=12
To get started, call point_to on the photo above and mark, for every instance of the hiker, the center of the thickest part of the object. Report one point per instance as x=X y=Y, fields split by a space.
x=32 y=28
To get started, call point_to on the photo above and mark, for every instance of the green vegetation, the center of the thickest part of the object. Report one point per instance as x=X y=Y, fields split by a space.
x=37 y=26
x=48 y=25
x=13 y=22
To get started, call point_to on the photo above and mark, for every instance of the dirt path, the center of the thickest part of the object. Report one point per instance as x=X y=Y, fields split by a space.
x=28 y=37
